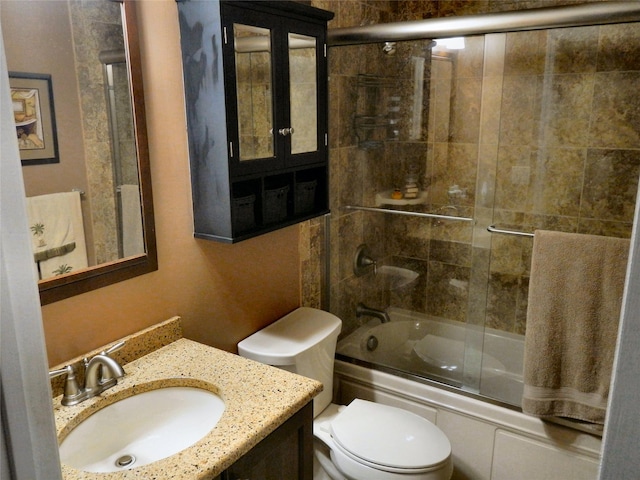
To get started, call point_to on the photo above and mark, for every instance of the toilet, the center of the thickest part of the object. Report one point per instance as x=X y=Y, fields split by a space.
x=360 y=441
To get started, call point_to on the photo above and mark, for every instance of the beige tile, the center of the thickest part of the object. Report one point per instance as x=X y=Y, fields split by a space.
x=615 y=121
x=349 y=175
x=513 y=177
x=619 y=47
x=465 y=117
x=525 y=53
x=518 y=117
x=556 y=181
x=611 y=183
x=494 y=49
x=501 y=302
x=572 y=50
x=447 y=291
x=469 y=60
x=566 y=110
x=491 y=110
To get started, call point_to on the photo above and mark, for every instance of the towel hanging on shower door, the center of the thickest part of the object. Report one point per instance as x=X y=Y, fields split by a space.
x=575 y=296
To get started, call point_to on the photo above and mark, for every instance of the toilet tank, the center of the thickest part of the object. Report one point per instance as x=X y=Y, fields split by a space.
x=302 y=342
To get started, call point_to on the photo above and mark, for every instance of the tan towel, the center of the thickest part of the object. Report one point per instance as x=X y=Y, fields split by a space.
x=575 y=296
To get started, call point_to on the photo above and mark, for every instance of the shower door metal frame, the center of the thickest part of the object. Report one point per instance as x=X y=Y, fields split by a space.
x=600 y=13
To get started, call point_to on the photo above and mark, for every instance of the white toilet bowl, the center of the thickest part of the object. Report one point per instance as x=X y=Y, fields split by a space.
x=371 y=441
x=364 y=440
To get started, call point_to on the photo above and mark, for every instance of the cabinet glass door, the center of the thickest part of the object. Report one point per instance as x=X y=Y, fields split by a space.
x=253 y=52
x=303 y=93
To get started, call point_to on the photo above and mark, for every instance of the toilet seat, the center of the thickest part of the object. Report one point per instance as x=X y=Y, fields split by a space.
x=389 y=439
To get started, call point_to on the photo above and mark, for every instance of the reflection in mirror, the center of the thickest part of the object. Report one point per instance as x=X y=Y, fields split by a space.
x=304 y=114
x=255 y=92
x=91 y=214
x=124 y=162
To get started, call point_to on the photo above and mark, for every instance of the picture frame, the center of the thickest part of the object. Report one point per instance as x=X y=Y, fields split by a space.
x=34 y=115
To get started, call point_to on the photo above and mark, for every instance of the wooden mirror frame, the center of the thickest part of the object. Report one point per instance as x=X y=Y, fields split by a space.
x=92 y=278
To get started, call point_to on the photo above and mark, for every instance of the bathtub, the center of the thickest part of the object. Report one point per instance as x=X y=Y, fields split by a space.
x=488 y=441
x=417 y=362
x=486 y=361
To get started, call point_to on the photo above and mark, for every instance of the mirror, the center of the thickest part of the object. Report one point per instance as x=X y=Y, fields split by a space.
x=253 y=57
x=255 y=92
x=303 y=88
x=85 y=59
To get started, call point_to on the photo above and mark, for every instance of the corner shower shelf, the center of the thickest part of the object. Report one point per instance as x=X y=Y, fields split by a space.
x=409 y=213
x=384 y=198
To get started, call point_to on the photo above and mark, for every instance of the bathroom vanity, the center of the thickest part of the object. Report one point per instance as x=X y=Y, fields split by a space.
x=286 y=453
x=255 y=77
x=266 y=425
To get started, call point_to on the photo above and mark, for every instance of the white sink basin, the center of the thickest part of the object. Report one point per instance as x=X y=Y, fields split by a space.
x=141 y=429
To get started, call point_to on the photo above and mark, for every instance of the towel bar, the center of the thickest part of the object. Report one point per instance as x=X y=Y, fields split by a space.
x=410 y=213
x=493 y=229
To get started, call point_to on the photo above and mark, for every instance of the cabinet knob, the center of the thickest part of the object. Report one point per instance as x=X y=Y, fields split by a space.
x=286 y=131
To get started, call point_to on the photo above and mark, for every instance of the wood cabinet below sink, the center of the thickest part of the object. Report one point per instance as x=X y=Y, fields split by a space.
x=287 y=453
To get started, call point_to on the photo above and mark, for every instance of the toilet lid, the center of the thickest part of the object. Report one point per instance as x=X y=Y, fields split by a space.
x=389 y=436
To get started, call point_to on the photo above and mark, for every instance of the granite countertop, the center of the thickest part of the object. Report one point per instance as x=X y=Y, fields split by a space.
x=258 y=399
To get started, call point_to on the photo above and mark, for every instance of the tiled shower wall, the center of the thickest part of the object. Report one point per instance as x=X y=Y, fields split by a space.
x=493 y=105
x=568 y=146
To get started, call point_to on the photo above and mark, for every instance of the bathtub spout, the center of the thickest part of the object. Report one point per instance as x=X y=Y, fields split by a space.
x=362 y=309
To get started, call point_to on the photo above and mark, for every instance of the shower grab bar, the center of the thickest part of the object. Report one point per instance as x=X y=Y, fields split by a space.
x=412 y=214
x=493 y=229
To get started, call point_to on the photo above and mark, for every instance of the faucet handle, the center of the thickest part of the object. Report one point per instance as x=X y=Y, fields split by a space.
x=363 y=261
x=72 y=391
x=113 y=348
x=105 y=373
x=58 y=373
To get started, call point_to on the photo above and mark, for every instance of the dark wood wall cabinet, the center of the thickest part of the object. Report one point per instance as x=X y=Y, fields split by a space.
x=255 y=79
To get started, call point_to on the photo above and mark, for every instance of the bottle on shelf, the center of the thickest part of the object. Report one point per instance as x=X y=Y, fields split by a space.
x=411 y=189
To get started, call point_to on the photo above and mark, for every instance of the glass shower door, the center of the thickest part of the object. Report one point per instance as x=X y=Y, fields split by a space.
x=514 y=132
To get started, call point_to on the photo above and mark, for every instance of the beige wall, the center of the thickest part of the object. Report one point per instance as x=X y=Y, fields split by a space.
x=223 y=292
x=51 y=52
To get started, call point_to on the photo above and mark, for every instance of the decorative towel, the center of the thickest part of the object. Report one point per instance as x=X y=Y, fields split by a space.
x=56 y=224
x=132 y=237
x=575 y=297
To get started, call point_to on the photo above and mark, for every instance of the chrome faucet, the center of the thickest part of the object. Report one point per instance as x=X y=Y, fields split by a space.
x=101 y=373
x=362 y=309
x=96 y=379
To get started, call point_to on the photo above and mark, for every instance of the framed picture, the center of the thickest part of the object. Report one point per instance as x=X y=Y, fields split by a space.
x=32 y=100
